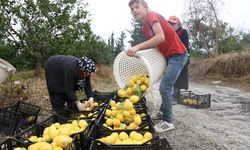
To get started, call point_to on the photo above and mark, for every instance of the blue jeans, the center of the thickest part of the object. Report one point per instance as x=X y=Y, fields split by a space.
x=174 y=67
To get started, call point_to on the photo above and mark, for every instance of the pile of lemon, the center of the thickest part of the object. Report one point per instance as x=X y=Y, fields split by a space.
x=190 y=101
x=57 y=136
x=123 y=138
x=122 y=116
x=136 y=86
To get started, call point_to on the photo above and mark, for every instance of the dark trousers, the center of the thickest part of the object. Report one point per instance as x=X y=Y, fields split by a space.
x=58 y=101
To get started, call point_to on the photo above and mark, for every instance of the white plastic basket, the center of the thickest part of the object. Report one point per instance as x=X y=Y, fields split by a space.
x=5 y=70
x=150 y=62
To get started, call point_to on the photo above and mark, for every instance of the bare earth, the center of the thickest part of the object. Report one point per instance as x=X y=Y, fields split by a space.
x=224 y=126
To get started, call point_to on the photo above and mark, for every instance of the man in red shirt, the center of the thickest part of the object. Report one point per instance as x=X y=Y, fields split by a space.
x=161 y=35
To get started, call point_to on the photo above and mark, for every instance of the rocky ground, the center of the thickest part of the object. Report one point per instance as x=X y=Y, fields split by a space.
x=224 y=126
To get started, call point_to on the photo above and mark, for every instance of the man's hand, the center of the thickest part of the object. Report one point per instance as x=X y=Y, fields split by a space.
x=80 y=106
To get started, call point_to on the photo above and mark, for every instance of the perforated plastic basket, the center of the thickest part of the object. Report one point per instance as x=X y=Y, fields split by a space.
x=149 y=61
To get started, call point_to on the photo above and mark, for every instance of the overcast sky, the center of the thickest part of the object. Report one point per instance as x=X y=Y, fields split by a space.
x=114 y=15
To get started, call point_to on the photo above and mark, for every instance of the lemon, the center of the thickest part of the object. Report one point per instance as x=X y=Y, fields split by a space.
x=131 y=83
x=53 y=132
x=129 y=91
x=148 y=135
x=109 y=122
x=82 y=124
x=128 y=105
x=122 y=93
x=112 y=103
x=64 y=131
x=134 y=99
x=132 y=134
x=63 y=141
x=95 y=104
x=123 y=136
x=110 y=140
x=108 y=112
x=143 y=87
x=132 y=112
x=116 y=122
x=74 y=123
x=118 y=141
x=115 y=135
x=120 y=117
x=137 y=120
x=126 y=113
x=33 y=138
x=20 y=148
x=137 y=136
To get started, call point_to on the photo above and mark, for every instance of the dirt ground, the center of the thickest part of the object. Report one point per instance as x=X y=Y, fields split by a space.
x=224 y=126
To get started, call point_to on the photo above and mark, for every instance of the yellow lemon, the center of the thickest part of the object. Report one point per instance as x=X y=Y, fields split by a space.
x=108 y=112
x=122 y=93
x=148 y=135
x=128 y=105
x=143 y=87
x=137 y=120
x=120 y=117
x=33 y=138
x=131 y=82
x=129 y=91
x=109 y=122
x=116 y=122
x=134 y=99
x=123 y=136
x=112 y=103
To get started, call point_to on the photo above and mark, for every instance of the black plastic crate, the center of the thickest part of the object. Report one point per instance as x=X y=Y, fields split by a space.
x=103 y=96
x=37 y=130
x=195 y=100
x=11 y=143
x=81 y=137
x=18 y=117
x=87 y=115
x=155 y=144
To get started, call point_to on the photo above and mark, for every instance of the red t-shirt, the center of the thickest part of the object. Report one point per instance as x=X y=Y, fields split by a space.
x=172 y=44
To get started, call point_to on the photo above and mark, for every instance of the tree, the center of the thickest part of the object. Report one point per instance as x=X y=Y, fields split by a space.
x=204 y=24
x=136 y=33
x=39 y=29
x=111 y=42
x=119 y=44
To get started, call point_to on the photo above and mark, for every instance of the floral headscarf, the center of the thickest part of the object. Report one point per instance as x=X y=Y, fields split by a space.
x=87 y=66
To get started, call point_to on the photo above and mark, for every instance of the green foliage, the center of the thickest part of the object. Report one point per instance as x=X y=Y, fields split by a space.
x=119 y=44
x=35 y=30
x=136 y=33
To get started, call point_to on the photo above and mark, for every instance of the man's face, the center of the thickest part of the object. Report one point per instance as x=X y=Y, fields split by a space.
x=138 y=11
